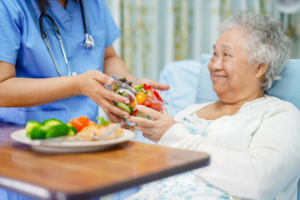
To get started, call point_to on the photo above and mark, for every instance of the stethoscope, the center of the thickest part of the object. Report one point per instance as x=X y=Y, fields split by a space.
x=88 y=42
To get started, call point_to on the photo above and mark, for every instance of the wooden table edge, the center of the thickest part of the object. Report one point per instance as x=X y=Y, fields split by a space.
x=43 y=193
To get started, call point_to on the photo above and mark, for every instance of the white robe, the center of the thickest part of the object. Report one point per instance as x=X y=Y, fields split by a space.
x=255 y=154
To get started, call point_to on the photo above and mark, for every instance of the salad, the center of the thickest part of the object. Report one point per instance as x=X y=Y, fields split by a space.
x=78 y=127
x=142 y=94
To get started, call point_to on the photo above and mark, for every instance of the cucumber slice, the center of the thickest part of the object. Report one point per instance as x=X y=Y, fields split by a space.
x=124 y=94
x=124 y=107
x=128 y=92
x=131 y=110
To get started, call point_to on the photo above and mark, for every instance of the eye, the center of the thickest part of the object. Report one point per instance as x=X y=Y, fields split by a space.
x=215 y=54
x=225 y=54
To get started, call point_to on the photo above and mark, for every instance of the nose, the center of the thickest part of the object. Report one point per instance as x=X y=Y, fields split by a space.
x=216 y=64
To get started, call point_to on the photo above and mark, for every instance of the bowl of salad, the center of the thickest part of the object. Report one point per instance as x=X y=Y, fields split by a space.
x=142 y=94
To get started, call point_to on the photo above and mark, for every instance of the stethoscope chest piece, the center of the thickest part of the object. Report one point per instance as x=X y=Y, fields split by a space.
x=89 y=42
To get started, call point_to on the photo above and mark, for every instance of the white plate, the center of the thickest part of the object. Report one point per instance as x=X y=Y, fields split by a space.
x=72 y=147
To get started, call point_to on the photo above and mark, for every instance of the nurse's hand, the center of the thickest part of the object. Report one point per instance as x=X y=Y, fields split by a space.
x=92 y=84
x=153 y=129
x=154 y=84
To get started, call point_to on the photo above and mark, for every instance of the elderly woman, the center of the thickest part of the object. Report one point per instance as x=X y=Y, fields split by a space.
x=253 y=139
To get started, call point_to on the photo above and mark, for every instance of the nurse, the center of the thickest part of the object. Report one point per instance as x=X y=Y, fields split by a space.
x=31 y=87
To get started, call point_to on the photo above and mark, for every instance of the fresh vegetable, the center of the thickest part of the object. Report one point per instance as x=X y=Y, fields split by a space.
x=151 y=95
x=123 y=80
x=132 y=105
x=139 y=87
x=130 y=98
x=147 y=103
x=34 y=130
x=102 y=121
x=54 y=128
x=146 y=87
x=47 y=124
x=71 y=130
x=124 y=107
x=135 y=113
x=81 y=122
x=116 y=87
x=150 y=89
x=57 y=131
x=140 y=98
x=77 y=124
x=156 y=95
x=156 y=106
x=144 y=95
x=126 y=92
x=84 y=120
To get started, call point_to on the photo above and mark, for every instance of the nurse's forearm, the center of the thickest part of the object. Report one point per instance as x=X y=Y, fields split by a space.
x=113 y=65
x=26 y=92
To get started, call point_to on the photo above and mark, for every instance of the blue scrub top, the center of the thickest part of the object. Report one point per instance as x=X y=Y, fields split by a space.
x=21 y=44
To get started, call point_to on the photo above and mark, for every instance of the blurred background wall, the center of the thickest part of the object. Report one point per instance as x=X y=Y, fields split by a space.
x=156 y=32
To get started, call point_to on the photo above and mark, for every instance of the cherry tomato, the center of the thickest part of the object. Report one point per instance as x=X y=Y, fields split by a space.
x=140 y=98
x=132 y=104
x=77 y=124
x=84 y=120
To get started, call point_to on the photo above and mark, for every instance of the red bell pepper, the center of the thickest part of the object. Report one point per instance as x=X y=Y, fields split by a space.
x=147 y=103
x=157 y=107
x=156 y=94
x=149 y=87
x=145 y=87
x=134 y=113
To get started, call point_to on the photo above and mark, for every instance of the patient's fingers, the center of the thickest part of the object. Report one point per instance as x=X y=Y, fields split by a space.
x=126 y=126
x=142 y=121
x=144 y=129
x=148 y=111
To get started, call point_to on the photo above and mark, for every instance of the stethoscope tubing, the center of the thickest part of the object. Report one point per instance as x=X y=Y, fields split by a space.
x=89 y=39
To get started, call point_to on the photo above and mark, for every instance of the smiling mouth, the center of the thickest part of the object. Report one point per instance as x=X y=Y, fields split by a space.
x=218 y=76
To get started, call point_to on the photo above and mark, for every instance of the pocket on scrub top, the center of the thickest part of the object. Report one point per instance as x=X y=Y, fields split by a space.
x=98 y=33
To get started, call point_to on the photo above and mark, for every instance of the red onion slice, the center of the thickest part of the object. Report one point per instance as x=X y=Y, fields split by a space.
x=131 y=94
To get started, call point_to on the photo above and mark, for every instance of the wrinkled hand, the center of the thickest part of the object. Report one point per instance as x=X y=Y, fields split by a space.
x=153 y=129
x=154 y=84
x=92 y=84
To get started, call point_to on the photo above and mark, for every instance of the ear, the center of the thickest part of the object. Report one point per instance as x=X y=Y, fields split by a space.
x=262 y=68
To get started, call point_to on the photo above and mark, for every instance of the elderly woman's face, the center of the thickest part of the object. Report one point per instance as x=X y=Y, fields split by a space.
x=233 y=79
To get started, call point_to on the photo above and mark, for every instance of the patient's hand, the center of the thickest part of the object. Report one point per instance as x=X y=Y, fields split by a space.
x=154 y=84
x=153 y=129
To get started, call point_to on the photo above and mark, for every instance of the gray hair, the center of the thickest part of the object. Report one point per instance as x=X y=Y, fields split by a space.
x=267 y=41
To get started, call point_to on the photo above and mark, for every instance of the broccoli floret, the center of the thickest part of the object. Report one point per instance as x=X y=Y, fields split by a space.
x=47 y=124
x=72 y=130
x=51 y=122
x=58 y=130
x=34 y=130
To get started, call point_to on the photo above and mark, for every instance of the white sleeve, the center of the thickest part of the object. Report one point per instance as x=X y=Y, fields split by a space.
x=178 y=137
x=271 y=161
